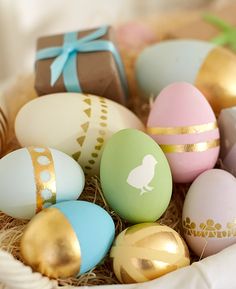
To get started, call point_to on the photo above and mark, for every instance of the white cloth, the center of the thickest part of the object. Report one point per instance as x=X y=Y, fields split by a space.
x=22 y=22
x=215 y=272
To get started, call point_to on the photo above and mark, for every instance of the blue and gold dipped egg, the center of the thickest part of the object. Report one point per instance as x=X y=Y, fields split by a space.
x=210 y=68
x=67 y=239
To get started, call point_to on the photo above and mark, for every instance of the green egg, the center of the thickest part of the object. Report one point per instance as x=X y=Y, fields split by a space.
x=135 y=176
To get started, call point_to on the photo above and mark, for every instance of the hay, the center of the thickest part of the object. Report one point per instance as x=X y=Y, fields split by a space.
x=11 y=232
x=11 y=229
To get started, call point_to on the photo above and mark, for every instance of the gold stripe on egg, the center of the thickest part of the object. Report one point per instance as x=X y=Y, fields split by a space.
x=50 y=245
x=146 y=251
x=42 y=161
x=153 y=269
x=125 y=277
x=183 y=129
x=216 y=79
x=197 y=147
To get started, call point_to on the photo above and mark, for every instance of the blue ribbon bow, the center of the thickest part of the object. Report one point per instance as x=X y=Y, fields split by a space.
x=65 y=57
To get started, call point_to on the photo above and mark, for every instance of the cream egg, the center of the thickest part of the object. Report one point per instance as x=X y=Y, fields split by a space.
x=77 y=124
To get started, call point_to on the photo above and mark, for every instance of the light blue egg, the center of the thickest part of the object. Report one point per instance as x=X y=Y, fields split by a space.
x=170 y=61
x=94 y=229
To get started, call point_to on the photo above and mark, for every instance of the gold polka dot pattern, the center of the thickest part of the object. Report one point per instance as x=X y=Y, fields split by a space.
x=44 y=174
x=102 y=132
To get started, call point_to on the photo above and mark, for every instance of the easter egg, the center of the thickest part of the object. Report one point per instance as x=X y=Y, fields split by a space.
x=211 y=68
x=227 y=126
x=67 y=239
x=182 y=122
x=4 y=125
x=37 y=177
x=77 y=124
x=209 y=221
x=147 y=251
x=135 y=35
x=135 y=176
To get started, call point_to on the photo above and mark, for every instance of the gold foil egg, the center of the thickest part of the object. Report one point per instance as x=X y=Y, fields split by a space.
x=147 y=251
x=212 y=69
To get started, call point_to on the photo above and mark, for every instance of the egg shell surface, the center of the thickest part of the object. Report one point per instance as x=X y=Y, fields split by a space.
x=170 y=61
x=94 y=228
x=21 y=189
x=135 y=176
x=209 y=212
x=227 y=126
x=77 y=124
x=181 y=105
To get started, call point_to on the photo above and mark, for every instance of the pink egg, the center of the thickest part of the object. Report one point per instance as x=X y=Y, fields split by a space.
x=135 y=35
x=182 y=122
x=209 y=212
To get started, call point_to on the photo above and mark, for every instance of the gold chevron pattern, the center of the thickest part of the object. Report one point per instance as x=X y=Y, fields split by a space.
x=4 y=127
x=146 y=251
x=84 y=126
x=100 y=138
x=45 y=179
x=209 y=229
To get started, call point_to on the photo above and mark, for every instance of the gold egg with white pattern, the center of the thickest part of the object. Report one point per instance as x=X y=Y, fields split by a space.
x=147 y=251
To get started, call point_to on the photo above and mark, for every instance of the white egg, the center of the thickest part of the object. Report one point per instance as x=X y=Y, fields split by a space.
x=37 y=177
x=77 y=124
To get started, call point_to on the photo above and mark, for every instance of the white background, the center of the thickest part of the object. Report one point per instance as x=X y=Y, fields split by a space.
x=22 y=21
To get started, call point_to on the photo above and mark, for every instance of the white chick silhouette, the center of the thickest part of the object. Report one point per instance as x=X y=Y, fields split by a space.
x=141 y=176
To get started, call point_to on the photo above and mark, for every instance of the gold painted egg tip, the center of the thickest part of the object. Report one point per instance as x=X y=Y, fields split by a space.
x=50 y=246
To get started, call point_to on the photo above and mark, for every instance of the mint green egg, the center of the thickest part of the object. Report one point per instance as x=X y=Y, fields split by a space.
x=135 y=176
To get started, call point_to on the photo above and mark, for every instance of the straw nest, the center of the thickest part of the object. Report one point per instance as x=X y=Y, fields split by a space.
x=11 y=229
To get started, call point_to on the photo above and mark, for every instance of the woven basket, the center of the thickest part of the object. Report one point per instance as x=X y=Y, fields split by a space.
x=13 y=274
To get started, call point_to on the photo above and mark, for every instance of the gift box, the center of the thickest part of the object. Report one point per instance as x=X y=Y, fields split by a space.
x=85 y=61
x=14 y=274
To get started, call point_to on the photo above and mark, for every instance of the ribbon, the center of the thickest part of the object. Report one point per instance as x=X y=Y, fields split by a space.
x=228 y=35
x=65 y=57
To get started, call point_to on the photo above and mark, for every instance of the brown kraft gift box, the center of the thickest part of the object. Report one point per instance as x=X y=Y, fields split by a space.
x=97 y=71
